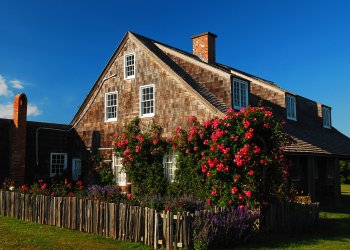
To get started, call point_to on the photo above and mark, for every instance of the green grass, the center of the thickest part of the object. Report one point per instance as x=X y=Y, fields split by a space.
x=17 y=234
x=333 y=232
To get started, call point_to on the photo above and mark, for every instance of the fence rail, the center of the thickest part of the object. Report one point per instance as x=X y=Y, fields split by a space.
x=138 y=224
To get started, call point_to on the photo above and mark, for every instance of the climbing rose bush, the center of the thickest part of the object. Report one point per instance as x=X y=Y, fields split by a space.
x=239 y=157
x=142 y=153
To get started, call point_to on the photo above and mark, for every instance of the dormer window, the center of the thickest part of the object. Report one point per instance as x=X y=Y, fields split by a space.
x=129 y=66
x=326 y=117
x=240 y=93
x=291 y=108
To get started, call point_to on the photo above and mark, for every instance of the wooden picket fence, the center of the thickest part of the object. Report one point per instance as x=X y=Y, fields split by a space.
x=138 y=224
x=117 y=221
x=290 y=217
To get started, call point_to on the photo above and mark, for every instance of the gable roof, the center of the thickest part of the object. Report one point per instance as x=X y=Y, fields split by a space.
x=199 y=90
x=306 y=141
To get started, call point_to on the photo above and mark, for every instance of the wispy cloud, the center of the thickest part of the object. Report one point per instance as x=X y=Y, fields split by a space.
x=17 y=84
x=6 y=110
x=4 y=90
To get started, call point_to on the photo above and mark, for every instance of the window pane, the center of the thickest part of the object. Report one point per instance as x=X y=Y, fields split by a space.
x=147 y=100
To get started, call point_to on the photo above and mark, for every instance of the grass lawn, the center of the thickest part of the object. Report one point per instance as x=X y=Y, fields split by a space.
x=333 y=233
x=17 y=234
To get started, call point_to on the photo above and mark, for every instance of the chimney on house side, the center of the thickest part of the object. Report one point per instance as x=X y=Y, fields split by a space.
x=204 y=47
x=18 y=138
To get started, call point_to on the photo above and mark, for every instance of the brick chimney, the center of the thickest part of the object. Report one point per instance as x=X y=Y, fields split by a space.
x=18 y=138
x=204 y=47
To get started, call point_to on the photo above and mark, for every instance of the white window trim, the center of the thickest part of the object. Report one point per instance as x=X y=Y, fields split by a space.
x=132 y=76
x=154 y=100
x=73 y=164
x=173 y=162
x=65 y=162
x=329 y=118
x=233 y=92
x=121 y=184
x=105 y=110
x=291 y=97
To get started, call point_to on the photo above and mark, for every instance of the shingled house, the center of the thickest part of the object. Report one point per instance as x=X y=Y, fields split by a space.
x=164 y=85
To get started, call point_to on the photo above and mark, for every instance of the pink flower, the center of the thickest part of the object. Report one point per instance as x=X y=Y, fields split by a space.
x=129 y=196
x=268 y=113
x=249 y=135
x=126 y=152
x=246 y=123
x=208 y=202
x=155 y=141
x=140 y=138
x=248 y=193
x=263 y=162
x=241 y=207
x=138 y=148
x=230 y=202
x=43 y=187
x=257 y=150
x=251 y=172
x=234 y=190
x=192 y=118
x=213 y=193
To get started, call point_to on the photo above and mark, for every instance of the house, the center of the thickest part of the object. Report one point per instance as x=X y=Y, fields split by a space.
x=26 y=147
x=164 y=85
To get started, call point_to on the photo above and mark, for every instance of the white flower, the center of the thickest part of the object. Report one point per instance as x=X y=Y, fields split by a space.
x=11 y=188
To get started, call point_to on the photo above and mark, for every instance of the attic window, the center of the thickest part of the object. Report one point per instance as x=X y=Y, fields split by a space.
x=240 y=94
x=326 y=117
x=129 y=66
x=111 y=106
x=147 y=100
x=291 y=107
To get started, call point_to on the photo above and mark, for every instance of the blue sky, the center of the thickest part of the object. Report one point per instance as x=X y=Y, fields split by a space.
x=55 y=50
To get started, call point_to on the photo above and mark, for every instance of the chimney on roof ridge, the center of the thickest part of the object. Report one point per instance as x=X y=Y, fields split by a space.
x=204 y=47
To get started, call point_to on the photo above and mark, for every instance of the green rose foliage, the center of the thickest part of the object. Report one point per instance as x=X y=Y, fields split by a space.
x=142 y=153
x=238 y=158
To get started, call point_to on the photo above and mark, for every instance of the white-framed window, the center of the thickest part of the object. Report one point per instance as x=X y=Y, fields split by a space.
x=291 y=107
x=326 y=117
x=76 y=169
x=147 y=100
x=240 y=93
x=111 y=106
x=330 y=170
x=58 y=163
x=118 y=171
x=129 y=66
x=169 y=164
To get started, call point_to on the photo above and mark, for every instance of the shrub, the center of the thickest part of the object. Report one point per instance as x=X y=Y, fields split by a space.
x=227 y=228
x=105 y=193
x=235 y=160
x=8 y=185
x=102 y=169
x=142 y=154
x=67 y=188
x=40 y=188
